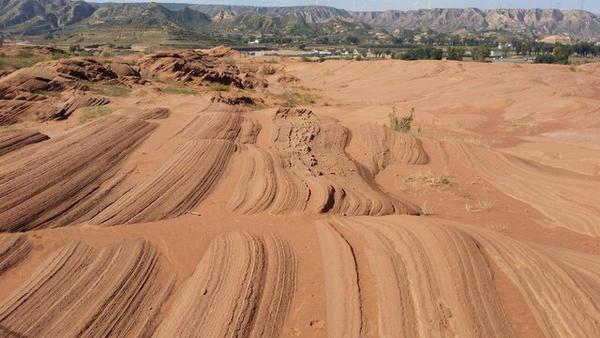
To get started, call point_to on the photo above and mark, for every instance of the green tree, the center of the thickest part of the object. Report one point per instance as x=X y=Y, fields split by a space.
x=480 y=53
x=436 y=54
x=455 y=53
x=561 y=54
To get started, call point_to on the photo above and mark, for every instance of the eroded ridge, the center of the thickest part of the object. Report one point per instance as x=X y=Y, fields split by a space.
x=67 y=179
x=156 y=113
x=242 y=287
x=13 y=249
x=80 y=291
x=265 y=185
x=344 y=309
x=386 y=147
x=308 y=169
x=214 y=125
x=176 y=188
x=11 y=141
x=314 y=149
x=436 y=278
x=562 y=290
x=541 y=187
x=430 y=281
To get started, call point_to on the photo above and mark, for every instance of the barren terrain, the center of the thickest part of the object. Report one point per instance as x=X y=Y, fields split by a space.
x=209 y=194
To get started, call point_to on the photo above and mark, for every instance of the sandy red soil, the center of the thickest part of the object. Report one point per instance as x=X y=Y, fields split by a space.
x=202 y=215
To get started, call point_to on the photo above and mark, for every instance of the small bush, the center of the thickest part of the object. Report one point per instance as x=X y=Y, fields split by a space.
x=92 y=113
x=402 y=124
x=293 y=99
x=268 y=70
x=218 y=87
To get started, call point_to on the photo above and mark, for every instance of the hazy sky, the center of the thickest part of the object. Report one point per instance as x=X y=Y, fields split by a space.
x=590 y=5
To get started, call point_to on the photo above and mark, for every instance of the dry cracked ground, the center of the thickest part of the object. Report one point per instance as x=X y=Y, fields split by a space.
x=209 y=194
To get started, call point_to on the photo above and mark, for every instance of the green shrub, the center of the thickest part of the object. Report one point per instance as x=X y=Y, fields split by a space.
x=401 y=124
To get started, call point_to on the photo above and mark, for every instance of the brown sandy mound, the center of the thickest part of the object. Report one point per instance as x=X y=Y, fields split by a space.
x=191 y=66
x=72 y=104
x=243 y=286
x=309 y=169
x=386 y=147
x=214 y=125
x=10 y=141
x=35 y=93
x=80 y=291
x=157 y=113
x=13 y=249
x=197 y=215
x=69 y=177
x=178 y=187
x=542 y=187
x=425 y=270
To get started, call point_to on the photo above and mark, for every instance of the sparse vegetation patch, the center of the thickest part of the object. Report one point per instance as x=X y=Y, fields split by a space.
x=429 y=179
x=25 y=59
x=219 y=87
x=401 y=124
x=110 y=90
x=268 y=70
x=293 y=98
x=93 y=113
x=179 y=90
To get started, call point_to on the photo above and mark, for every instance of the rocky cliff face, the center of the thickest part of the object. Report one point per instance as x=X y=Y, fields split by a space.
x=538 y=22
x=308 y=14
x=39 y=16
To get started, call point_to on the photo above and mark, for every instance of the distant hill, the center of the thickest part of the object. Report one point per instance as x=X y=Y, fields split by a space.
x=536 y=22
x=147 y=15
x=307 y=14
x=40 y=16
x=31 y=17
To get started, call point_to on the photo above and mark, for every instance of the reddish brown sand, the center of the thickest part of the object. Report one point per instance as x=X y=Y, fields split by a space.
x=203 y=215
